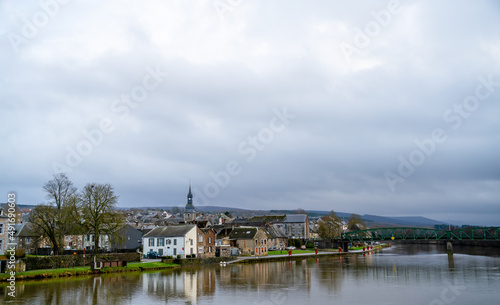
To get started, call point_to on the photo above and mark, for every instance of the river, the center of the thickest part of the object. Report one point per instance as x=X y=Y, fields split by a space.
x=407 y=274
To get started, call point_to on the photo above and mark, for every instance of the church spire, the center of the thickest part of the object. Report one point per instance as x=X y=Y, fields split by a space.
x=189 y=212
x=190 y=195
x=189 y=205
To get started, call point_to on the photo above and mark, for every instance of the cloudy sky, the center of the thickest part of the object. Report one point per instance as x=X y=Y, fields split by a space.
x=370 y=107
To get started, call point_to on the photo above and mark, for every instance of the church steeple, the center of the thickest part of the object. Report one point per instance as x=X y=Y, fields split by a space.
x=190 y=196
x=189 y=213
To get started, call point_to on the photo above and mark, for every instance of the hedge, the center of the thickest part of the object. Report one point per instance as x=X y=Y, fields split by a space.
x=68 y=261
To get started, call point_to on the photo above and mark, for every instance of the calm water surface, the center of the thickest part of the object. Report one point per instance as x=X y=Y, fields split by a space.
x=398 y=275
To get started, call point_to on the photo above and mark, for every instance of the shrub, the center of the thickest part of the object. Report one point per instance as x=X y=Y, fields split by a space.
x=20 y=253
x=178 y=256
x=66 y=261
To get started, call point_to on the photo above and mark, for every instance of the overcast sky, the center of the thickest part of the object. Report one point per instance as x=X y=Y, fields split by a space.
x=369 y=107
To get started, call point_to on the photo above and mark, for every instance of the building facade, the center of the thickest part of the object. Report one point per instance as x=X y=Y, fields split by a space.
x=206 y=243
x=249 y=240
x=172 y=241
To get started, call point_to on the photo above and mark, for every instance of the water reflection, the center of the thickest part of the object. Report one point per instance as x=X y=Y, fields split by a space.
x=402 y=271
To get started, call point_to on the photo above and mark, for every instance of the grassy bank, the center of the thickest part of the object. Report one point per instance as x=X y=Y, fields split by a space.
x=310 y=254
x=64 y=272
x=286 y=252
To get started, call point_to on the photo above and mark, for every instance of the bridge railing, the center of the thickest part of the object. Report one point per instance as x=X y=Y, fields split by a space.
x=410 y=233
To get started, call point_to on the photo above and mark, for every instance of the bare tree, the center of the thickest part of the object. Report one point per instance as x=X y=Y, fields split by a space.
x=330 y=227
x=60 y=216
x=98 y=212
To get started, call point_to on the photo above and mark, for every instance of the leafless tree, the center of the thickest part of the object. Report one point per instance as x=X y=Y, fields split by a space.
x=99 y=213
x=60 y=215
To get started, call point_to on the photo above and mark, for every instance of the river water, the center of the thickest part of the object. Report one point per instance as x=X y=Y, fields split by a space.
x=399 y=275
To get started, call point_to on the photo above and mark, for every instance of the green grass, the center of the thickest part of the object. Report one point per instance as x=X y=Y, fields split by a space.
x=138 y=266
x=297 y=251
x=356 y=248
x=55 y=273
x=48 y=273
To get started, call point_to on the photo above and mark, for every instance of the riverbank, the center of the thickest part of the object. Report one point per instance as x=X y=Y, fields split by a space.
x=151 y=266
x=299 y=256
x=77 y=271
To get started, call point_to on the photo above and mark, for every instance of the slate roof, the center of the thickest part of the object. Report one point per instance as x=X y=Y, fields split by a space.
x=24 y=230
x=276 y=232
x=170 y=231
x=205 y=230
x=295 y=218
x=267 y=218
x=243 y=233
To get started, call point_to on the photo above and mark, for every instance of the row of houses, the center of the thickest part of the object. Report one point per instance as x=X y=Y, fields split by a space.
x=191 y=240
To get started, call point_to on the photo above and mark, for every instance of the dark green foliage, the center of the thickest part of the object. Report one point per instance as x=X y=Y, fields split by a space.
x=67 y=261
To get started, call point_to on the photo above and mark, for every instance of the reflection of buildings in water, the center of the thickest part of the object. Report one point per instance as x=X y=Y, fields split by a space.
x=266 y=276
x=330 y=271
x=187 y=285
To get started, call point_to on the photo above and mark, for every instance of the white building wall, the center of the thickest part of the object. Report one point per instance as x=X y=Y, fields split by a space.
x=173 y=248
x=192 y=242
x=183 y=244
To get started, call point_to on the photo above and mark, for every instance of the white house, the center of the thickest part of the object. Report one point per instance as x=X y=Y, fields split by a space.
x=171 y=240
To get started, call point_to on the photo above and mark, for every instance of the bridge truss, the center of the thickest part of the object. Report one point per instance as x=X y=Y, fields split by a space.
x=408 y=233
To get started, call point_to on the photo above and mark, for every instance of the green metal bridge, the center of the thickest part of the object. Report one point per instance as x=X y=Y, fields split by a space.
x=405 y=233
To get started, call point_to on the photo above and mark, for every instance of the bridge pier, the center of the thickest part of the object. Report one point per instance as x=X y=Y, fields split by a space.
x=345 y=246
x=449 y=247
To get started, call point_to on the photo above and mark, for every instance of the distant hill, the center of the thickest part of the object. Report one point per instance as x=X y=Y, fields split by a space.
x=418 y=221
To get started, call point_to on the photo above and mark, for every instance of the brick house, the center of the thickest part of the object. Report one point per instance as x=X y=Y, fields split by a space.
x=18 y=214
x=276 y=238
x=206 y=243
x=26 y=237
x=295 y=226
x=4 y=222
x=249 y=240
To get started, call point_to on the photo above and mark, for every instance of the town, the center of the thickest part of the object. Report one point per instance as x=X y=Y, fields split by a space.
x=177 y=232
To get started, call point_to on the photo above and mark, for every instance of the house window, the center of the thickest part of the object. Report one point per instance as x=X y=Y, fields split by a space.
x=1 y=228
x=28 y=240
x=200 y=249
x=175 y=249
x=151 y=242
x=161 y=242
x=175 y=243
x=256 y=242
x=169 y=242
x=210 y=240
x=210 y=249
x=191 y=241
x=200 y=238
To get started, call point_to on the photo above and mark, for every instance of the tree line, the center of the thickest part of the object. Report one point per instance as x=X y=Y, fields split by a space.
x=69 y=211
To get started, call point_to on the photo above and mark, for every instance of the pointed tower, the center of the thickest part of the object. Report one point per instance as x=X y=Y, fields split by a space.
x=189 y=212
